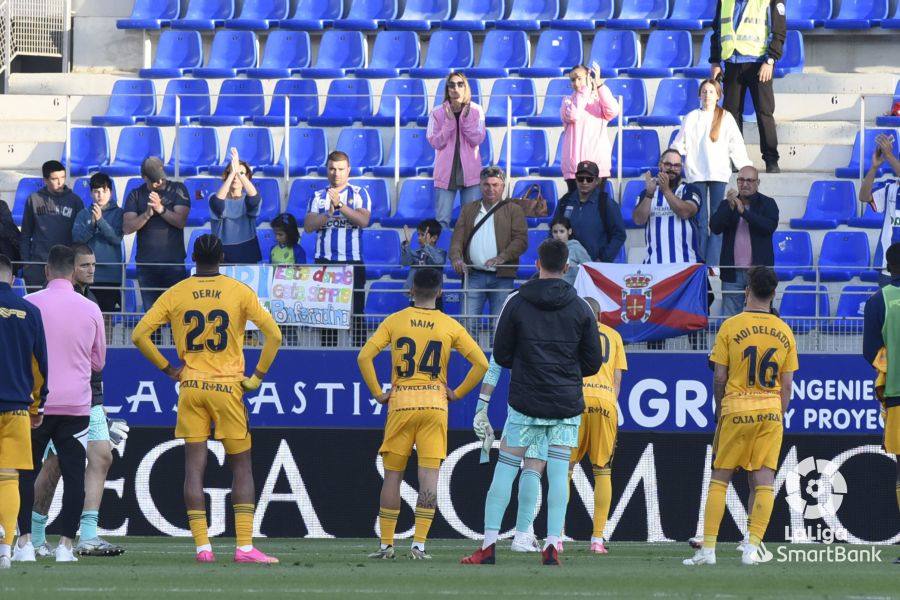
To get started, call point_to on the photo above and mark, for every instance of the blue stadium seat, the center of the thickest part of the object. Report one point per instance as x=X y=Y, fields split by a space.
x=308 y=243
x=239 y=100
x=82 y=187
x=634 y=97
x=527 y=15
x=301 y=193
x=527 y=260
x=793 y=255
x=474 y=86
x=633 y=189
x=557 y=52
x=232 y=52
x=689 y=14
x=199 y=190
x=893 y=20
x=447 y=51
x=90 y=150
x=205 y=15
x=25 y=187
x=614 y=51
x=177 y=53
x=381 y=251
x=308 y=150
x=666 y=53
x=794 y=57
x=314 y=15
x=890 y=120
x=675 y=98
x=852 y=170
x=286 y=52
x=639 y=14
x=700 y=70
x=584 y=15
x=135 y=144
x=502 y=53
x=843 y=256
x=416 y=155
x=413 y=103
x=339 y=51
x=368 y=15
x=393 y=54
x=188 y=260
x=851 y=304
x=266 y=238
x=829 y=204
x=421 y=15
x=270 y=198
x=521 y=95
x=348 y=101
x=859 y=14
x=198 y=149
x=486 y=149
x=639 y=154
x=475 y=15
x=254 y=146
x=363 y=146
x=548 y=191
x=151 y=14
x=132 y=184
x=18 y=287
x=529 y=152
x=798 y=307
x=557 y=90
x=869 y=220
x=386 y=297
x=194 y=94
x=553 y=169
x=808 y=14
x=260 y=14
x=414 y=204
x=130 y=100
x=378 y=194
x=302 y=95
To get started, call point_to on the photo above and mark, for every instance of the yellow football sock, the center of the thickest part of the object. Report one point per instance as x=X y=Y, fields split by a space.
x=714 y=511
x=424 y=517
x=387 y=518
x=197 y=521
x=243 y=524
x=602 y=498
x=762 y=511
x=9 y=505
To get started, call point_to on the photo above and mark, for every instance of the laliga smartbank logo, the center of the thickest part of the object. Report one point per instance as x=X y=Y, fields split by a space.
x=815 y=490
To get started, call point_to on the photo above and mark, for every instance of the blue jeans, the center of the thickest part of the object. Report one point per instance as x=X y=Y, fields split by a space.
x=710 y=246
x=489 y=287
x=444 y=199
x=733 y=303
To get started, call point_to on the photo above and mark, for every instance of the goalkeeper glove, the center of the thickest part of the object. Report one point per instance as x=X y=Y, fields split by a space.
x=251 y=383
x=483 y=430
x=118 y=431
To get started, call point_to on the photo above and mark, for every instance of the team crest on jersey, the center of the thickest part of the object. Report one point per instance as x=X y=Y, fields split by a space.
x=636 y=297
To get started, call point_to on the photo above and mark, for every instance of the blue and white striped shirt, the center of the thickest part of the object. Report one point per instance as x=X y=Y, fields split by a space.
x=669 y=238
x=339 y=240
x=885 y=200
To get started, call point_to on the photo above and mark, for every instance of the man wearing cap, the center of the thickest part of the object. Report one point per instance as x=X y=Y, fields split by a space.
x=596 y=218
x=157 y=211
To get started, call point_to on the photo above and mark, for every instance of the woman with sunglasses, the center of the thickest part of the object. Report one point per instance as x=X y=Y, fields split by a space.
x=709 y=140
x=455 y=131
x=585 y=115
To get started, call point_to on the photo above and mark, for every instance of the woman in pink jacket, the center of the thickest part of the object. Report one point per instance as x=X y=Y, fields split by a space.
x=455 y=131
x=584 y=115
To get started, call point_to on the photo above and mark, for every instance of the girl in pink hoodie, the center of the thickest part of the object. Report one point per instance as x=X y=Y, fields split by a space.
x=584 y=115
x=455 y=131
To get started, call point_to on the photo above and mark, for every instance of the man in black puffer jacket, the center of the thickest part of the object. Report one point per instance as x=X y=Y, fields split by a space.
x=548 y=336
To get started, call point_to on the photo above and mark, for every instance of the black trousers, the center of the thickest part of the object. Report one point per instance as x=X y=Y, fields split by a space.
x=156 y=279
x=69 y=436
x=740 y=77
x=358 y=326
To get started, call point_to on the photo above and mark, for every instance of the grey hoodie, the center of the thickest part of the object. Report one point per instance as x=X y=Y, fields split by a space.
x=48 y=221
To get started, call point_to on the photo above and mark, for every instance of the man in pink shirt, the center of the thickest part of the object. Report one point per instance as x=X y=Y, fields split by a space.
x=76 y=344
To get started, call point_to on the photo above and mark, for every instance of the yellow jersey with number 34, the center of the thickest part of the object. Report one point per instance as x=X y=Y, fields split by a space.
x=601 y=387
x=756 y=347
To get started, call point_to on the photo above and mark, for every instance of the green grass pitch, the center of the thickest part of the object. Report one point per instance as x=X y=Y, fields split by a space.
x=162 y=568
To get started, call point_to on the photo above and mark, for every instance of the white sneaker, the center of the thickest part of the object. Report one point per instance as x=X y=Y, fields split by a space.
x=64 y=554
x=703 y=556
x=4 y=562
x=23 y=553
x=44 y=550
x=525 y=542
x=754 y=555
x=743 y=545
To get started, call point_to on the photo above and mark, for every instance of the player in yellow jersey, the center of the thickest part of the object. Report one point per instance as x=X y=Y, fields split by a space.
x=421 y=339
x=755 y=357
x=208 y=314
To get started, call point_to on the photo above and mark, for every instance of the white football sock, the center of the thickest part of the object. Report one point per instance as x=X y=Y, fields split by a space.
x=490 y=537
x=204 y=548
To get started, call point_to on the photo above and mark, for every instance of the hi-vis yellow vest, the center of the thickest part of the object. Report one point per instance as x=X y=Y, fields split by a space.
x=752 y=35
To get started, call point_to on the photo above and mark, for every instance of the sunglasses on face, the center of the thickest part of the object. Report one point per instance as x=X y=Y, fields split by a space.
x=743 y=180
x=669 y=165
x=456 y=84
x=584 y=179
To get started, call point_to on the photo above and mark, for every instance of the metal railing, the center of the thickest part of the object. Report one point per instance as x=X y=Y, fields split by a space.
x=34 y=28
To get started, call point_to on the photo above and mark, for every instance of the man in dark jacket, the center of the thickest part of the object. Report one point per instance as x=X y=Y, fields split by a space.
x=548 y=336
x=9 y=234
x=47 y=221
x=100 y=227
x=748 y=219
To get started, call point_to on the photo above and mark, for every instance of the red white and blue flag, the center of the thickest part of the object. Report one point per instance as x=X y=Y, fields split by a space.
x=647 y=302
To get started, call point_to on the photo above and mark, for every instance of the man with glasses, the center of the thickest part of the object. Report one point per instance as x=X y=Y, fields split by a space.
x=747 y=221
x=596 y=218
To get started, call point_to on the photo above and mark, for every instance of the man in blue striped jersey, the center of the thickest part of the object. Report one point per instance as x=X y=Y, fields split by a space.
x=883 y=200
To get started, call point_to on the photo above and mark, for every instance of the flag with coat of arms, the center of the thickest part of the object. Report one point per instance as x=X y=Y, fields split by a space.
x=647 y=302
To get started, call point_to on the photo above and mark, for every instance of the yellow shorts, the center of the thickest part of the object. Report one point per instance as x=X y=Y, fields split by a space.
x=597 y=435
x=748 y=440
x=15 y=440
x=201 y=403
x=422 y=428
x=892 y=430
